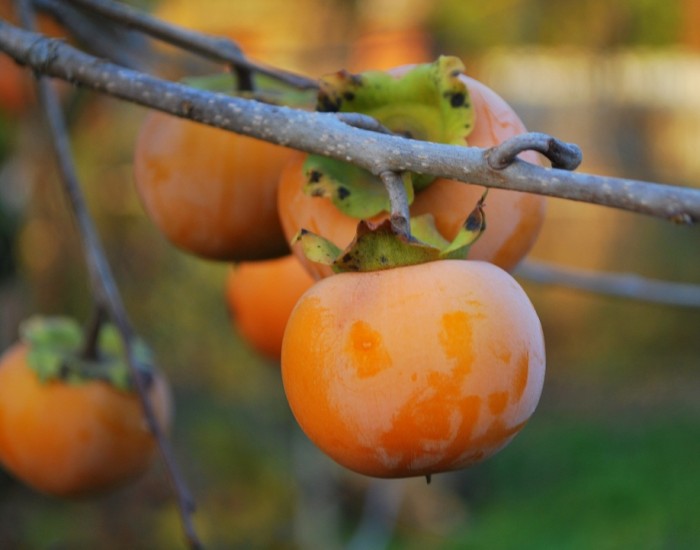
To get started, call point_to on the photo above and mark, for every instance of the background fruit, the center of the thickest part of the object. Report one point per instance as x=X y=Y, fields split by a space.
x=261 y=295
x=413 y=370
x=73 y=439
x=211 y=192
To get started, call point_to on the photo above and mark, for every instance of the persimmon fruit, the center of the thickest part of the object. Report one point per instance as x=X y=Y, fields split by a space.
x=211 y=192
x=69 y=438
x=514 y=219
x=260 y=297
x=413 y=370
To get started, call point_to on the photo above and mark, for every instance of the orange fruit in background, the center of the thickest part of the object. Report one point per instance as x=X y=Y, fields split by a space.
x=513 y=219
x=413 y=370
x=211 y=192
x=389 y=48
x=261 y=295
x=73 y=439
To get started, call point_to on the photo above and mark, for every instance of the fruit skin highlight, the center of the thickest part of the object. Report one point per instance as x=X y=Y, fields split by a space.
x=211 y=192
x=414 y=370
x=74 y=439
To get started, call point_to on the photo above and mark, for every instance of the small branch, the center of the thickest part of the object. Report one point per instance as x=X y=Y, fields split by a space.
x=219 y=49
x=364 y=122
x=325 y=134
x=91 y=333
x=566 y=156
x=102 y=282
x=117 y=44
x=400 y=215
x=612 y=284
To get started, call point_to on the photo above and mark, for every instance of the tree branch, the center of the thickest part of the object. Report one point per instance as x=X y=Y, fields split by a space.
x=325 y=134
x=102 y=282
x=214 y=48
x=620 y=285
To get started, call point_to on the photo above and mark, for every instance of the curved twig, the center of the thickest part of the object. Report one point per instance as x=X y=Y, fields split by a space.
x=621 y=285
x=566 y=156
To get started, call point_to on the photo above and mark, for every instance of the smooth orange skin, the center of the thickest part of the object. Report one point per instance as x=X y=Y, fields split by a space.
x=211 y=192
x=261 y=296
x=513 y=219
x=414 y=370
x=72 y=440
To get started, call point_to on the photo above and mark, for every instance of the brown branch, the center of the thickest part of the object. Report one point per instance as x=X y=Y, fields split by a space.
x=325 y=134
x=214 y=48
x=102 y=282
x=620 y=285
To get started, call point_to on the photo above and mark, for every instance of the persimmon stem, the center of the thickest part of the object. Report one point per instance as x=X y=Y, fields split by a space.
x=101 y=280
x=400 y=215
x=90 y=349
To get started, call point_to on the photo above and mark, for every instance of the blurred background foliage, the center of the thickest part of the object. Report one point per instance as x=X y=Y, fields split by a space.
x=610 y=458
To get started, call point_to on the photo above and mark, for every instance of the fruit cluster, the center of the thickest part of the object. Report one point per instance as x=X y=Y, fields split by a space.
x=408 y=370
x=400 y=356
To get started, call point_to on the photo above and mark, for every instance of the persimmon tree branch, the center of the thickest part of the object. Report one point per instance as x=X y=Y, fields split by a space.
x=621 y=285
x=104 y=289
x=325 y=134
x=214 y=48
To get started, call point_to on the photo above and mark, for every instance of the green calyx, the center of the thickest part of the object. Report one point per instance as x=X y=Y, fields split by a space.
x=55 y=353
x=428 y=102
x=352 y=190
x=380 y=246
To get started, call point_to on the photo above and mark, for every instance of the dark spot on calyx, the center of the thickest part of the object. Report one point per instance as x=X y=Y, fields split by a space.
x=327 y=104
x=383 y=260
x=315 y=176
x=458 y=99
x=348 y=96
x=343 y=192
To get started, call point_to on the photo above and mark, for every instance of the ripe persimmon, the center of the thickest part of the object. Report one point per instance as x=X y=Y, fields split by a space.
x=260 y=297
x=71 y=438
x=413 y=370
x=211 y=192
x=513 y=219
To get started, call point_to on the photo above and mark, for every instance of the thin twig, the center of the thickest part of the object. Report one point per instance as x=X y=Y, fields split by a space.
x=621 y=285
x=102 y=281
x=215 y=48
x=566 y=156
x=323 y=133
x=400 y=215
x=118 y=44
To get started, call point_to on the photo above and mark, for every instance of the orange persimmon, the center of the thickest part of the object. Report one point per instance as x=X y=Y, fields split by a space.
x=413 y=370
x=513 y=219
x=260 y=297
x=70 y=439
x=211 y=192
